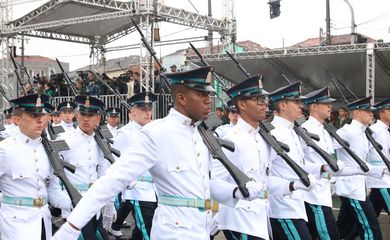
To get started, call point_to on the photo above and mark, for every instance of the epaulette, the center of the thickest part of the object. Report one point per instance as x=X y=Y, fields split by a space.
x=8 y=141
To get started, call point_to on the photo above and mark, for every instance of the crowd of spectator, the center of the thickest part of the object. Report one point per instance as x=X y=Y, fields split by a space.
x=86 y=84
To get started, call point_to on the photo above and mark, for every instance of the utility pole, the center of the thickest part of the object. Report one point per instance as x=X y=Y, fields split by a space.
x=22 y=58
x=210 y=32
x=328 y=39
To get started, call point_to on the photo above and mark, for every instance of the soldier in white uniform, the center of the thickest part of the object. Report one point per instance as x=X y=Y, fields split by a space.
x=67 y=114
x=86 y=155
x=379 y=194
x=11 y=127
x=233 y=116
x=318 y=201
x=249 y=219
x=174 y=152
x=26 y=177
x=56 y=117
x=113 y=118
x=141 y=198
x=356 y=209
x=287 y=213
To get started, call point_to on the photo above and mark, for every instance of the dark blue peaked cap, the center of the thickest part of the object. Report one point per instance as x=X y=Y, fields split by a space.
x=289 y=92
x=114 y=112
x=195 y=79
x=89 y=104
x=33 y=103
x=319 y=96
x=231 y=105
x=384 y=104
x=142 y=99
x=49 y=108
x=67 y=105
x=247 y=88
x=362 y=103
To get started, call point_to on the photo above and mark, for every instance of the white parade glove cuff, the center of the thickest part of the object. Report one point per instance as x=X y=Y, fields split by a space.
x=298 y=184
x=66 y=232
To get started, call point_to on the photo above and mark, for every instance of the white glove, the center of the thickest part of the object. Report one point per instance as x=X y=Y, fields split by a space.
x=131 y=185
x=66 y=232
x=298 y=184
x=255 y=191
x=109 y=215
x=340 y=164
x=213 y=225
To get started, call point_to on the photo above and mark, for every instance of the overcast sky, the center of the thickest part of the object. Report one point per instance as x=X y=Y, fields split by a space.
x=299 y=20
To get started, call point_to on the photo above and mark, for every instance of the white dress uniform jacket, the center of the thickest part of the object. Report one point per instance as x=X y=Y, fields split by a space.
x=353 y=186
x=223 y=130
x=289 y=206
x=68 y=127
x=382 y=136
x=113 y=130
x=179 y=162
x=25 y=172
x=251 y=155
x=142 y=191
x=320 y=194
x=86 y=156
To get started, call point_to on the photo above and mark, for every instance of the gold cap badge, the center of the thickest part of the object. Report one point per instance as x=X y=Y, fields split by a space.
x=87 y=103
x=39 y=101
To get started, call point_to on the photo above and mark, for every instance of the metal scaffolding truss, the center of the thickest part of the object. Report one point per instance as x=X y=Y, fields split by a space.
x=292 y=52
x=30 y=24
x=370 y=72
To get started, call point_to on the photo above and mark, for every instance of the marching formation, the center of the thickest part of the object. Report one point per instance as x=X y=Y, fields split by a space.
x=272 y=171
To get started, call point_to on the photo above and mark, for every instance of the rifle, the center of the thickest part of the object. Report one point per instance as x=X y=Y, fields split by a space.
x=302 y=132
x=3 y=93
x=153 y=54
x=237 y=64
x=279 y=147
x=214 y=74
x=54 y=130
x=111 y=90
x=214 y=146
x=333 y=131
x=345 y=145
x=28 y=76
x=69 y=83
x=18 y=77
x=265 y=133
x=52 y=148
x=378 y=147
x=102 y=137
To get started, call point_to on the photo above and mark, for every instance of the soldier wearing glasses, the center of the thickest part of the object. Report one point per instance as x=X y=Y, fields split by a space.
x=178 y=160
